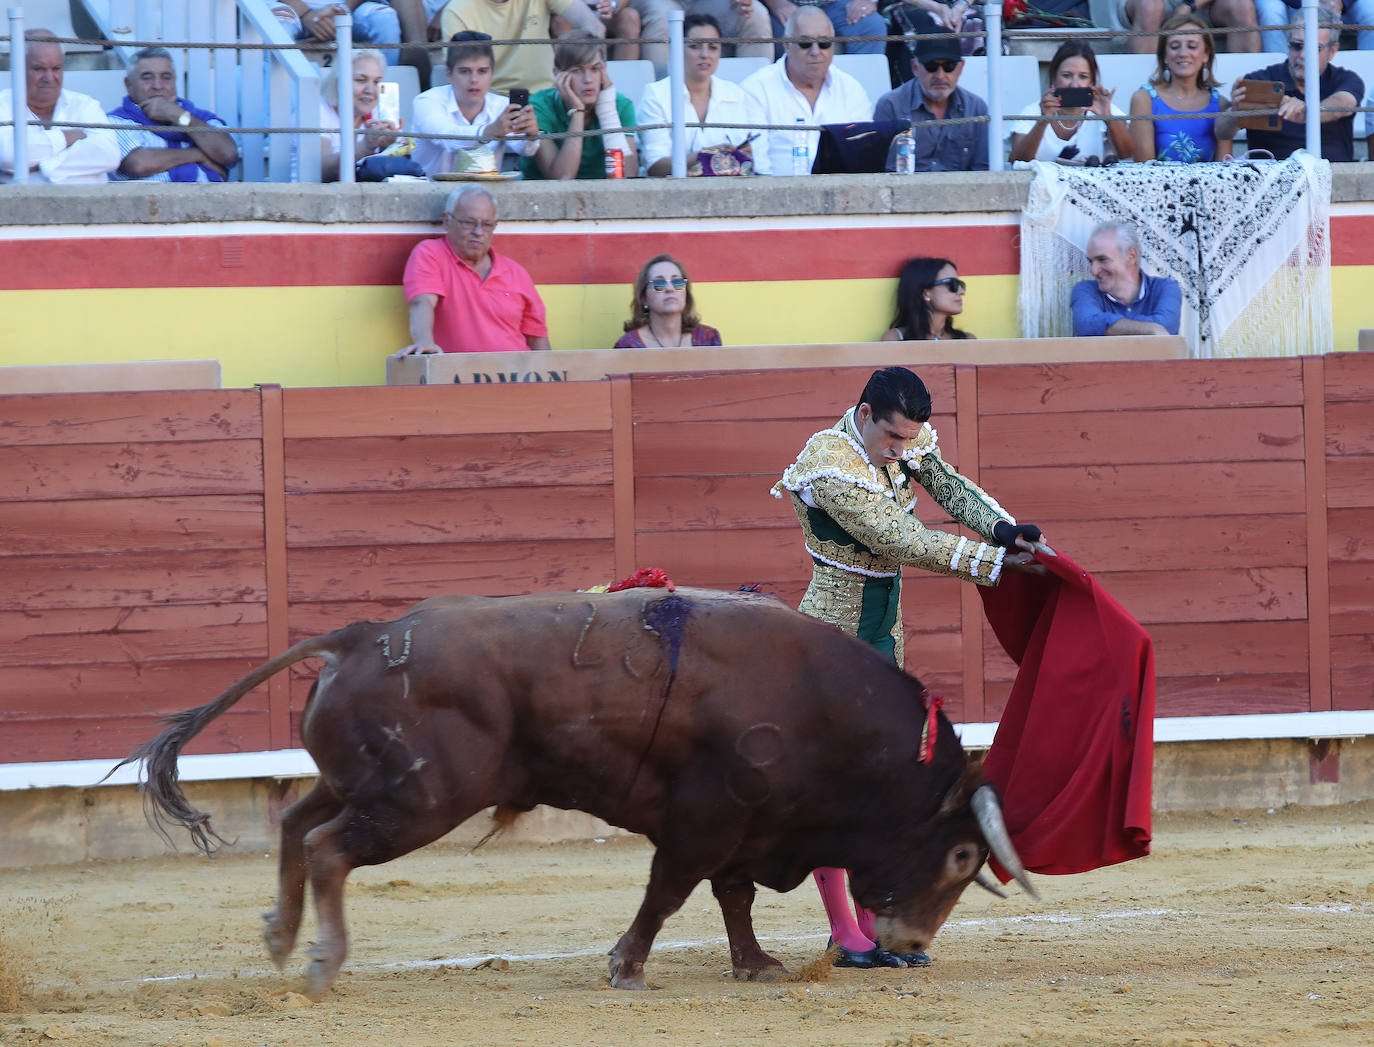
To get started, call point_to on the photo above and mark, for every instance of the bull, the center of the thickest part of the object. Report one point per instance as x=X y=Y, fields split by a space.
x=749 y=742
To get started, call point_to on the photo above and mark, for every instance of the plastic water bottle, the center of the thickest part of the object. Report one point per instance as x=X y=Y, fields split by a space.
x=801 y=154
x=906 y=153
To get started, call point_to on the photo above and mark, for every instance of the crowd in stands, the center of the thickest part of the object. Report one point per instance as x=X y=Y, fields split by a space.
x=564 y=87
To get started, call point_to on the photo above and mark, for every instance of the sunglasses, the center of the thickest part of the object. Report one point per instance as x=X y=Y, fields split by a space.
x=806 y=43
x=955 y=285
x=946 y=64
x=659 y=283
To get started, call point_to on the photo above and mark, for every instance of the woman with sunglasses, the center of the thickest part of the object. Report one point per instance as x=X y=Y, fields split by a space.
x=929 y=296
x=1074 y=66
x=662 y=313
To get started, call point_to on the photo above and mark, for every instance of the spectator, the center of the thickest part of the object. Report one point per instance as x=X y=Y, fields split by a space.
x=526 y=65
x=582 y=99
x=849 y=17
x=1182 y=84
x=801 y=88
x=463 y=296
x=372 y=135
x=623 y=21
x=662 y=312
x=1336 y=86
x=744 y=20
x=1279 y=13
x=467 y=106
x=60 y=155
x=919 y=17
x=713 y=100
x=1120 y=298
x=419 y=22
x=929 y=296
x=190 y=150
x=935 y=94
x=1148 y=15
x=1073 y=66
x=373 y=22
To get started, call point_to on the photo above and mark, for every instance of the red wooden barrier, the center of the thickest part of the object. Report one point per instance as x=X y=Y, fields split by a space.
x=156 y=545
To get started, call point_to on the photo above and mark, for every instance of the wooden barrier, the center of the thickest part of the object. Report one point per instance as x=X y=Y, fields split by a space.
x=156 y=545
x=578 y=365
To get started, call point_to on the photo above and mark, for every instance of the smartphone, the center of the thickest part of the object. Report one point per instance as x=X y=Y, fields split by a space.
x=1260 y=94
x=1075 y=97
x=389 y=102
x=520 y=96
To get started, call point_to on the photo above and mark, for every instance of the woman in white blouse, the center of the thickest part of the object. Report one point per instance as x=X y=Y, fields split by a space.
x=709 y=100
x=1073 y=66
x=373 y=135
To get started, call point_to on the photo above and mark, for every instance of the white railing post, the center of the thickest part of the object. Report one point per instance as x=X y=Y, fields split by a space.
x=343 y=65
x=1311 y=81
x=992 y=22
x=19 y=74
x=677 y=87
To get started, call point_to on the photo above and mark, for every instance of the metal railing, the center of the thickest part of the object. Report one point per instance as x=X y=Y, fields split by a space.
x=238 y=53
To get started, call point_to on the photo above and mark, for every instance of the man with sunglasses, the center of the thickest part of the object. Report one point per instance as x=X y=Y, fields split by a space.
x=802 y=88
x=935 y=94
x=1337 y=87
x=854 y=489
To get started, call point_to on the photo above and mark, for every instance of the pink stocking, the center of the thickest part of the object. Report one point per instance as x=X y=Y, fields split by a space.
x=865 y=921
x=835 y=898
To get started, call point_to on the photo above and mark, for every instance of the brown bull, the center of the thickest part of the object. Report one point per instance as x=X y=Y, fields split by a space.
x=749 y=742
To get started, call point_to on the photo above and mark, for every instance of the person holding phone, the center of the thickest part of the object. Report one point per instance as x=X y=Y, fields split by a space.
x=373 y=134
x=489 y=123
x=1075 y=90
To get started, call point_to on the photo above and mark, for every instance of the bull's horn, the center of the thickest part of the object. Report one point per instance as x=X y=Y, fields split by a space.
x=989 y=815
x=983 y=882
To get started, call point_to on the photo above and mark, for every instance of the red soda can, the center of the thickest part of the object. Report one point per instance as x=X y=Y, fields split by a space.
x=615 y=163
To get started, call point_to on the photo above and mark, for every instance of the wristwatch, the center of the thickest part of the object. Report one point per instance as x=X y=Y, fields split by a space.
x=184 y=120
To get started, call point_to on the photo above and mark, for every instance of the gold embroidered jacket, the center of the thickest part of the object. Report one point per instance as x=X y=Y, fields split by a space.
x=858 y=517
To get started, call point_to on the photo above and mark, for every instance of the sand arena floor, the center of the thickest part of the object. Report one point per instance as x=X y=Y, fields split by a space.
x=1244 y=927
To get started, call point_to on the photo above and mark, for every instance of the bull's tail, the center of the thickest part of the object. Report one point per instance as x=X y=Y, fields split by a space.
x=164 y=803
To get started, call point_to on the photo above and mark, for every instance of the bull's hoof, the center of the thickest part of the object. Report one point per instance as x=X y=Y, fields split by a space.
x=279 y=942
x=770 y=972
x=626 y=974
x=320 y=975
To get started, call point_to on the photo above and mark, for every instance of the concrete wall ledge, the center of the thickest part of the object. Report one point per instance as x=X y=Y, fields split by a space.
x=381 y=203
x=47 y=826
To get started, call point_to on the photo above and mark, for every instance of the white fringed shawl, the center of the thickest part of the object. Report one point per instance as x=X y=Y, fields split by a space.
x=1249 y=243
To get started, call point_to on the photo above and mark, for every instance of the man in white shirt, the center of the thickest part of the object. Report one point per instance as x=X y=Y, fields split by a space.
x=60 y=155
x=467 y=106
x=801 y=88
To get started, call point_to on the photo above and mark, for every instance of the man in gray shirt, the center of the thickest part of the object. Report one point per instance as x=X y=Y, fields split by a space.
x=935 y=94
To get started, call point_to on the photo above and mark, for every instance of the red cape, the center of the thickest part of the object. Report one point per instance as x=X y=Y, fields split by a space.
x=1074 y=750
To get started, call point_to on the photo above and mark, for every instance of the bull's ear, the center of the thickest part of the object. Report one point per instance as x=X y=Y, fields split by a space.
x=959 y=795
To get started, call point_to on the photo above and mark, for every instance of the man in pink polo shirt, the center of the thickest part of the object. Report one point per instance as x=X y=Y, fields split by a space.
x=463 y=296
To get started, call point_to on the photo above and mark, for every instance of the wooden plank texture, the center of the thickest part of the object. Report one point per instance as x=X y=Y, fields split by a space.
x=415 y=463
x=1352 y=671
x=1257 y=594
x=1177 y=543
x=767 y=395
x=717 y=448
x=1057 y=388
x=1349 y=377
x=1350 y=533
x=1111 y=492
x=1350 y=428
x=92 y=418
x=131 y=470
x=405 y=573
x=36 y=583
x=113 y=736
x=424 y=517
x=137 y=636
x=709 y=503
x=1125 y=437
x=119 y=525
x=446 y=410
x=1350 y=481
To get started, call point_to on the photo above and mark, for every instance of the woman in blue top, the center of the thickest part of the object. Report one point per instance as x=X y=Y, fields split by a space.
x=1182 y=84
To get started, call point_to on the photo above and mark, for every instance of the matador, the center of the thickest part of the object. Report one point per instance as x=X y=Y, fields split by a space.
x=854 y=489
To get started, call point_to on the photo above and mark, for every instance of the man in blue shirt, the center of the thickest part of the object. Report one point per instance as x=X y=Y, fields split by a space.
x=1120 y=299
x=934 y=94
